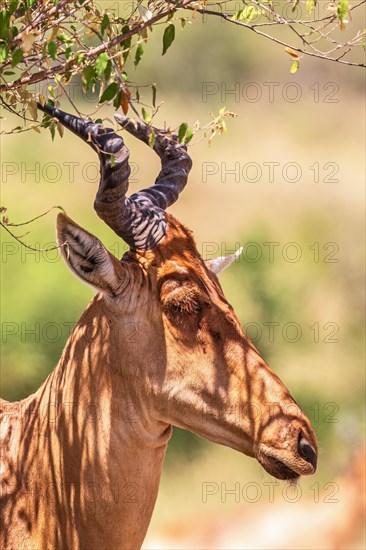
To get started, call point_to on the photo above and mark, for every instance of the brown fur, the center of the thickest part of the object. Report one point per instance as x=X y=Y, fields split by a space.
x=159 y=346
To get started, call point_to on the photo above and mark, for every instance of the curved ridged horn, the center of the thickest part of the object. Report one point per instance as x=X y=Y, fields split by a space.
x=139 y=219
x=175 y=160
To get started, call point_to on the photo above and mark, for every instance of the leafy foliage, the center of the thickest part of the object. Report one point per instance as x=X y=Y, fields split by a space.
x=62 y=43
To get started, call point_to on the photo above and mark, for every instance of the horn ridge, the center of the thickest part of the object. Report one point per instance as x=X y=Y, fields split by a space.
x=176 y=163
x=140 y=219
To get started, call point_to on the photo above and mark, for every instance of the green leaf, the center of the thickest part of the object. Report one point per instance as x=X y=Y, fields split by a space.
x=117 y=100
x=138 y=54
x=182 y=131
x=126 y=45
x=108 y=70
x=109 y=92
x=294 y=67
x=105 y=24
x=342 y=10
x=51 y=90
x=145 y=115
x=168 y=38
x=4 y=50
x=189 y=136
x=154 y=96
x=126 y=48
x=64 y=38
x=17 y=57
x=238 y=15
x=310 y=5
x=88 y=77
x=52 y=50
x=52 y=130
x=4 y=24
x=245 y=14
x=249 y=12
x=152 y=139
x=13 y=4
x=101 y=63
x=68 y=52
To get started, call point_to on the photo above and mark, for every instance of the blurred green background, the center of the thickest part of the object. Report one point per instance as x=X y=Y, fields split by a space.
x=321 y=135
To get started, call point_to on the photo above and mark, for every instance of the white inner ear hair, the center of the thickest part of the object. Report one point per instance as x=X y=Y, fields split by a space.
x=219 y=264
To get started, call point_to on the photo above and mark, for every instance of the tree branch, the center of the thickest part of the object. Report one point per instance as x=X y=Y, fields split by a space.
x=254 y=27
x=93 y=52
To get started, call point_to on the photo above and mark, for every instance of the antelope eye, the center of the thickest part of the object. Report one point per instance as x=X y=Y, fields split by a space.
x=181 y=297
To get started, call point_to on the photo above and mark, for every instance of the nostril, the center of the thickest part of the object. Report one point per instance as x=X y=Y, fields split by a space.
x=306 y=451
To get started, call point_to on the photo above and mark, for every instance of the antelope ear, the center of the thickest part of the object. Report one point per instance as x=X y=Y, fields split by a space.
x=219 y=264
x=87 y=257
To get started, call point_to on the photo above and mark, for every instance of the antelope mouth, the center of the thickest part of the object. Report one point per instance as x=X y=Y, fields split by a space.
x=284 y=467
x=277 y=468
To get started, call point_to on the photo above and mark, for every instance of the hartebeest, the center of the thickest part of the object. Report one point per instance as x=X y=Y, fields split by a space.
x=82 y=457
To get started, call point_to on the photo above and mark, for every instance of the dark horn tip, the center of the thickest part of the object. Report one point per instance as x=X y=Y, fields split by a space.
x=121 y=119
x=129 y=124
x=79 y=126
x=46 y=108
x=142 y=131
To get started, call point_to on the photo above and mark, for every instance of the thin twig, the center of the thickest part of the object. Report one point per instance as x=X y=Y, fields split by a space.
x=57 y=247
x=37 y=217
x=319 y=55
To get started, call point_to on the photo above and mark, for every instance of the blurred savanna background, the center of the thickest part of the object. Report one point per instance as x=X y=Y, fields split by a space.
x=286 y=182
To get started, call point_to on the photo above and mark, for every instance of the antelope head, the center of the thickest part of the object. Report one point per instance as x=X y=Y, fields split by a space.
x=192 y=364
